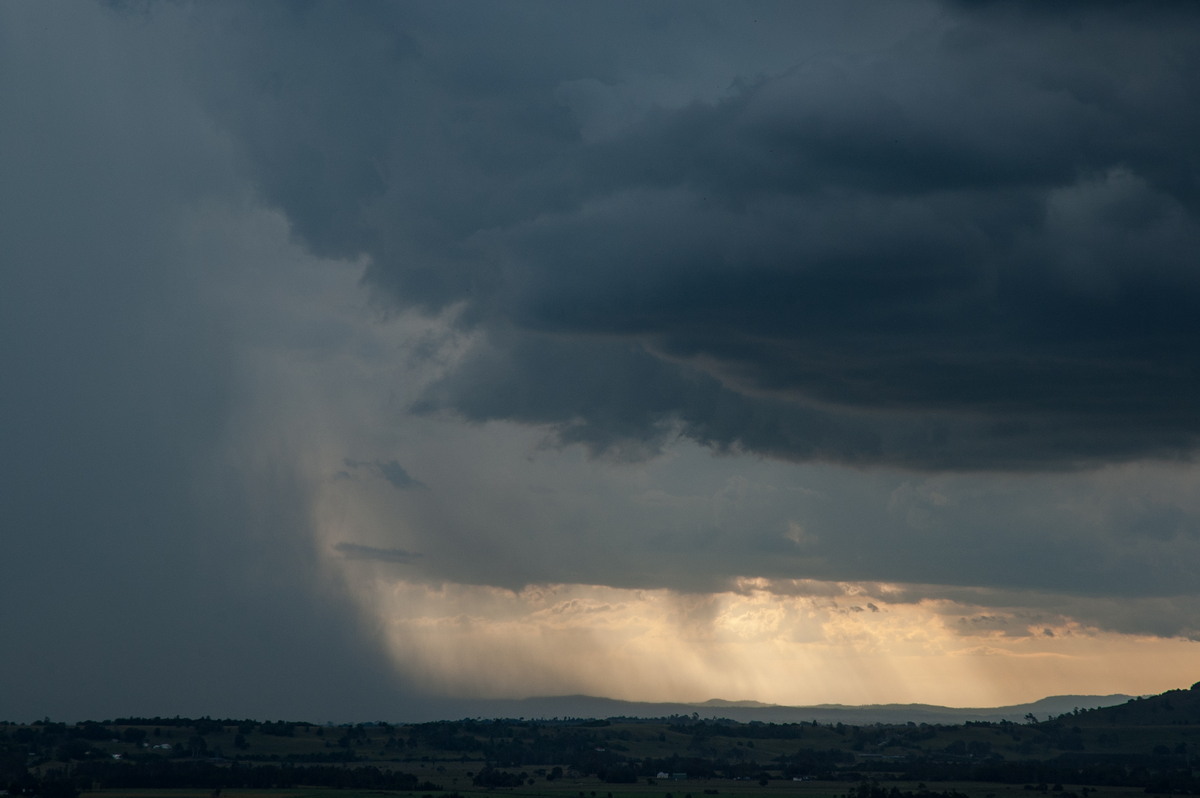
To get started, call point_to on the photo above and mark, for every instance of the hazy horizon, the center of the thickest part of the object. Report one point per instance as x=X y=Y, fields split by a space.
x=598 y=707
x=365 y=358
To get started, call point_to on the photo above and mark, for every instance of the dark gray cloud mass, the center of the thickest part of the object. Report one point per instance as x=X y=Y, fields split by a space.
x=965 y=242
x=934 y=237
x=391 y=471
x=357 y=551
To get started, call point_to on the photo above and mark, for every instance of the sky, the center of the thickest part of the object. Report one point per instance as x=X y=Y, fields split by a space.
x=360 y=359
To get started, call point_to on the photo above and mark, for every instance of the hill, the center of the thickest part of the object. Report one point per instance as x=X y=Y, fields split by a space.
x=1172 y=708
x=579 y=706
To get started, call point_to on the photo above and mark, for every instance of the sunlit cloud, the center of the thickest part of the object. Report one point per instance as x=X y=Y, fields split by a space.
x=786 y=648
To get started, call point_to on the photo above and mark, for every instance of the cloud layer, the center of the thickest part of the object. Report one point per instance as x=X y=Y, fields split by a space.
x=964 y=242
x=350 y=342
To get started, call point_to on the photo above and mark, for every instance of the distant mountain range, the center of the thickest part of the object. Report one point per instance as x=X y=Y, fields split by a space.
x=581 y=706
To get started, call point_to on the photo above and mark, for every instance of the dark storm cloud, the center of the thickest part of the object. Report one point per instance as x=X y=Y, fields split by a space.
x=395 y=474
x=934 y=236
x=969 y=245
x=391 y=471
x=357 y=551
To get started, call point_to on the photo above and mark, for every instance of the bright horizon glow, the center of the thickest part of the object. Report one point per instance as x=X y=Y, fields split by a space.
x=662 y=646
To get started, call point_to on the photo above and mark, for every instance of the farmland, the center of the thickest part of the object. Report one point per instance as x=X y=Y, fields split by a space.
x=1148 y=745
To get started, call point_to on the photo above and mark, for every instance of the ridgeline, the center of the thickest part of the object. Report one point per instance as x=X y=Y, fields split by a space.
x=1145 y=744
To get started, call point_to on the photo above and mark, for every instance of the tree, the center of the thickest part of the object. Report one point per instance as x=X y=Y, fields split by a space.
x=72 y=749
